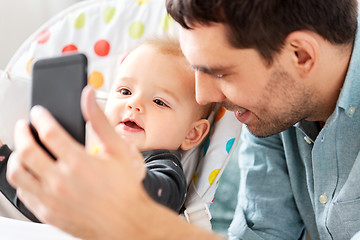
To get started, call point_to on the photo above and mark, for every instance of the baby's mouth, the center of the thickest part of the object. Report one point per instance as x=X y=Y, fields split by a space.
x=132 y=125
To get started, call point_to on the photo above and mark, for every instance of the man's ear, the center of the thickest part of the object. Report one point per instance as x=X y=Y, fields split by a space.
x=304 y=48
x=196 y=134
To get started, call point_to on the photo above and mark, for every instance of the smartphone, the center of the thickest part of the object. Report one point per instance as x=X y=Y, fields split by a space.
x=57 y=84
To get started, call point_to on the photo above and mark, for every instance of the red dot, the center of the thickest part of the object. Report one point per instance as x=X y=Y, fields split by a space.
x=71 y=48
x=43 y=37
x=102 y=48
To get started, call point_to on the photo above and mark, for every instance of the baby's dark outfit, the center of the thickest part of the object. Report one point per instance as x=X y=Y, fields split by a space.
x=165 y=181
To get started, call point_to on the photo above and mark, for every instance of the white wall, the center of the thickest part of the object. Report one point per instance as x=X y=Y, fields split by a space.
x=20 y=18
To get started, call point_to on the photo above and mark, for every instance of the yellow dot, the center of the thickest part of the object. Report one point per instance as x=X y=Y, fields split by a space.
x=109 y=14
x=141 y=2
x=95 y=150
x=80 y=21
x=166 y=22
x=213 y=175
x=29 y=66
x=136 y=29
x=195 y=178
x=96 y=79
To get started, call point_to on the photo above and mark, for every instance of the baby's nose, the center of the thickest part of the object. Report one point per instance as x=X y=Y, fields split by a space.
x=138 y=109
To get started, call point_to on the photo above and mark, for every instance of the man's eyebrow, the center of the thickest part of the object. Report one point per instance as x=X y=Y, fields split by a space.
x=211 y=70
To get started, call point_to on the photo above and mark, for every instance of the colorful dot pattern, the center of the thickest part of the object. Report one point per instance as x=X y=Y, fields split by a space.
x=102 y=48
x=213 y=175
x=96 y=79
x=106 y=31
x=101 y=30
x=141 y=2
x=218 y=146
x=44 y=37
x=136 y=29
x=108 y=14
x=70 y=48
x=167 y=22
x=29 y=65
x=80 y=21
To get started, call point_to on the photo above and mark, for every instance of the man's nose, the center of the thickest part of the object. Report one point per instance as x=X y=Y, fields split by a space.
x=207 y=90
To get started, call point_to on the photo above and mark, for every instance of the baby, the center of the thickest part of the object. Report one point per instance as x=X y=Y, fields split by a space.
x=152 y=104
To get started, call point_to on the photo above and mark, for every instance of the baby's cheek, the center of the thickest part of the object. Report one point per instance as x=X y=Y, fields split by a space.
x=111 y=116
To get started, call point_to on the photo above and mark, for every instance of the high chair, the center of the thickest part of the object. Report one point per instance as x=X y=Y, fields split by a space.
x=106 y=31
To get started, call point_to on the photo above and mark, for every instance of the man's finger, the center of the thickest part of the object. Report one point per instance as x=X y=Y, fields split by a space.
x=28 y=153
x=52 y=135
x=18 y=175
x=110 y=140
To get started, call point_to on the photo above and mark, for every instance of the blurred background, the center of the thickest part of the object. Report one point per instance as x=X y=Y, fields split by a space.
x=20 y=18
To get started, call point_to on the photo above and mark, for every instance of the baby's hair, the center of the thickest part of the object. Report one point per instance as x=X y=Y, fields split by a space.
x=166 y=45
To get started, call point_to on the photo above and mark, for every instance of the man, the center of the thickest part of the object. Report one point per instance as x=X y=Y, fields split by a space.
x=290 y=72
x=279 y=64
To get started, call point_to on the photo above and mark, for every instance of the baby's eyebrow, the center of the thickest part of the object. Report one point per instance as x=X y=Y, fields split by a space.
x=121 y=81
x=170 y=93
x=124 y=79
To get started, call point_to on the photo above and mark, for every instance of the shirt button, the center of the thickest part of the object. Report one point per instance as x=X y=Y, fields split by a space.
x=351 y=110
x=307 y=140
x=323 y=199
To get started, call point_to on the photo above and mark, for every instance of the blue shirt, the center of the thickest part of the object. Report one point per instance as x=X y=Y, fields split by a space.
x=305 y=176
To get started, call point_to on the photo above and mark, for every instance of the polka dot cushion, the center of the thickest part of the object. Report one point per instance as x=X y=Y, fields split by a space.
x=214 y=155
x=227 y=128
x=103 y=30
x=106 y=31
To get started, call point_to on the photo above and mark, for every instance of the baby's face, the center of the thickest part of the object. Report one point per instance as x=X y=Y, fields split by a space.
x=152 y=102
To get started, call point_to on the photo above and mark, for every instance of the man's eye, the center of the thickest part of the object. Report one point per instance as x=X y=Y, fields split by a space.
x=124 y=91
x=160 y=103
x=219 y=75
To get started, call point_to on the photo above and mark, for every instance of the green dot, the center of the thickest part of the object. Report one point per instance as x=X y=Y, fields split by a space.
x=136 y=29
x=109 y=14
x=80 y=21
x=142 y=2
x=166 y=22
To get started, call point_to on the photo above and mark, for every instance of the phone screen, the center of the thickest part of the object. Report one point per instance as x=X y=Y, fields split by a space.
x=57 y=85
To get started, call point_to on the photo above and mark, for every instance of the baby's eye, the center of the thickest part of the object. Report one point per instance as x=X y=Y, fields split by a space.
x=160 y=103
x=124 y=91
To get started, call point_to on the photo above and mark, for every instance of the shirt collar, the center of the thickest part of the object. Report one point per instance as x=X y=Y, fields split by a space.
x=349 y=96
x=310 y=129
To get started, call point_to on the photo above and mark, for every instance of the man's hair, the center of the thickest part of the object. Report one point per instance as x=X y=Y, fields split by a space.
x=264 y=24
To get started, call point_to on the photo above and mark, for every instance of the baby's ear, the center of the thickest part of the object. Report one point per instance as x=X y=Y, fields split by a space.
x=197 y=133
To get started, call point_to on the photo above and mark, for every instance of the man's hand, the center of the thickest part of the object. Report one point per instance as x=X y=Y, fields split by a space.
x=1 y=143
x=77 y=192
x=90 y=197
